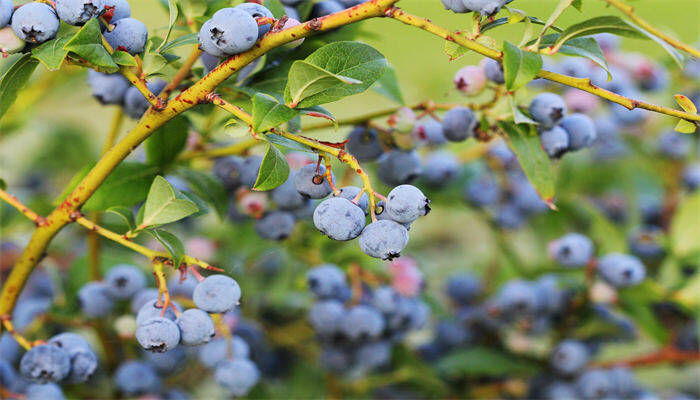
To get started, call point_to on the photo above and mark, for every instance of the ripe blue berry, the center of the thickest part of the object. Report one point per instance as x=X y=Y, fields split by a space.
x=142 y=297
x=516 y=298
x=136 y=378
x=238 y=376
x=286 y=196
x=48 y=391
x=82 y=358
x=482 y=191
x=196 y=327
x=362 y=323
x=277 y=225
x=339 y=219
x=129 y=34
x=398 y=167
x=430 y=131
x=311 y=183
x=594 y=384
x=547 y=109
x=326 y=316
x=210 y=62
x=217 y=294
x=78 y=12
x=6 y=10
x=228 y=171
x=581 y=130
x=124 y=280
x=151 y=309
x=384 y=239
x=166 y=362
x=45 y=363
x=406 y=203
x=363 y=144
x=184 y=288
x=158 y=335
x=691 y=176
x=94 y=300
x=458 y=124
x=493 y=70
x=571 y=250
x=122 y=9
x=645 y=242
x=9 y=348
x=326 y=7
x=440 y=168
x=560 y=390
x=555 y=142
x=463 y=288
x=385 y=299
x=674 y=145
x=621 y=270
x=257 y=11
x=351 y=192
x=217 y=351
x=624 y=383
x=35 y=22
x=450 y=334
x=135 y=104
x=326 y=281
x=107 y=88
x=249 y=170
x=229 y=31
x=569 y=357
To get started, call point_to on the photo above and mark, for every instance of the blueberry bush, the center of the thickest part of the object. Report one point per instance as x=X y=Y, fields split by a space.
x=537 y=238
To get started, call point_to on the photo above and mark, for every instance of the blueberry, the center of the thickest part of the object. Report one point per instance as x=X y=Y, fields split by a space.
x=311 y=183
x=385 y=299
x=166 y=362
x=450 y=334
x=559 y=391
x=440 y=168
x=430 y=131
x=135 y=104
x=571 y=250
x=196 y=327
x=406 y=203
x=35 y=22
x=48 y=391
x=9 y=348
x=8 y=376
x=645 y=242
x=555 y=142
x=674 y=145
x=551 y=298
x=493 y=70
x=129 y=35
x=158 y=334
x=28 y=309
x=373 y=355
x=249 y=170
x=623 y=382
x=623 y=115
x=107 y=88
x=122 y=9
x=6 y=10
x=82 y=358
x=456 y=6
x=229 y=31
x=594 y=384
x=326 y=7
x=277 y=225
x=691 y=176
x=94 y=300
x=210 y=62
x=547 y=109
x=463 y=288
x=257 y=11
x=142 y=297
x=326 y=316
x=517 y=298
x=238 y=376
x=151 y=309
x=569 y=357
x=470 y=80
x=362 y=323
x=339 y=219
x=135 y=378
x=219 y=350
x=306 y=211
x=124 y=280
x=286 y=196
x=398 y=167
x=384 y=239
x=351 y=192
x=482 y=191
x=45 y=363
x=326 y=281
x=621 y=270
x=228 y=170
x=78 y=12
x=458 y=124
x=363 y=144
x=217 y=294
x=409 y=314
x=581 y=130
x=184 y=288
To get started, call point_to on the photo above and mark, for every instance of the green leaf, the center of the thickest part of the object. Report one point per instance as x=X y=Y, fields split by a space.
x=519 y=67
x=275 y=7
x=525 y=142
x=685 y=227
x=173 y=13
x=505 y=20
x=582 y=47
x=518 y=116
x=184 y=40
x=208 y=188
x=608 y=237
x=388 y=86
x=164 y=145
x=686 y=103
x=675 y=54
x=274 y=169
x=153 y=63
x=198 y=201
x=14 y=78
x=193 y=8
x=162 y=207
x=642 y=314
x=52 y=53
x=126 y=186
x=124 y=58
x=268 y=113
x=558 y=11
x=484 y=361
x=455 y=50
x=605 y=24
x=171 y=243
x=319 y=112
x=283 y=141
x=87 y=43
x=577 y=4
x=332 y=72
x=684 y=126
x=126 y=214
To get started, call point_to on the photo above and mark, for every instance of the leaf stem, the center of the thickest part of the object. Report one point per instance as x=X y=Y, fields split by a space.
x=232 y=150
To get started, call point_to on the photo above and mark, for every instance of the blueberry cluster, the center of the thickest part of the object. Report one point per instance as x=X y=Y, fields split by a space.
x=357 y=337
x=114 y=89
x=486 y=8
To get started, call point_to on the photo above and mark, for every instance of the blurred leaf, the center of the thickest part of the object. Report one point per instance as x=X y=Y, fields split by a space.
x=173 y=12
x=193 y=8
x=684 y=126
x=455 y=50
x=332 y=72
x=268 y=113
x=582 y=47
x=164 y=145
x=275 y=7
x=184 y=40
x=605 y=24
x=608 y=237
x=171 y=243
x=14 y=78
x=52 y=53
x=537 y=166
x=688 y=295
x=3 y=184
x=643 y=315
x=274 y=169
x=519 y=66
x=126 y=214
x=87 y=43
x=577 y=4
x=124 y=58
x=483 y=361
x=685 y=227
x=162 y=207
x=208 y=188
x=675 y=54
x=388 y=86
x=686 y=103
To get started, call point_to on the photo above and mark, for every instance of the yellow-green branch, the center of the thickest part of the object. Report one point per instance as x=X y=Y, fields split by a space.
x=231 y=150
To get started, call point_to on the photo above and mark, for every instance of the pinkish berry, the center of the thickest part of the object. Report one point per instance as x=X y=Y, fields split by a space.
x=470 y=80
